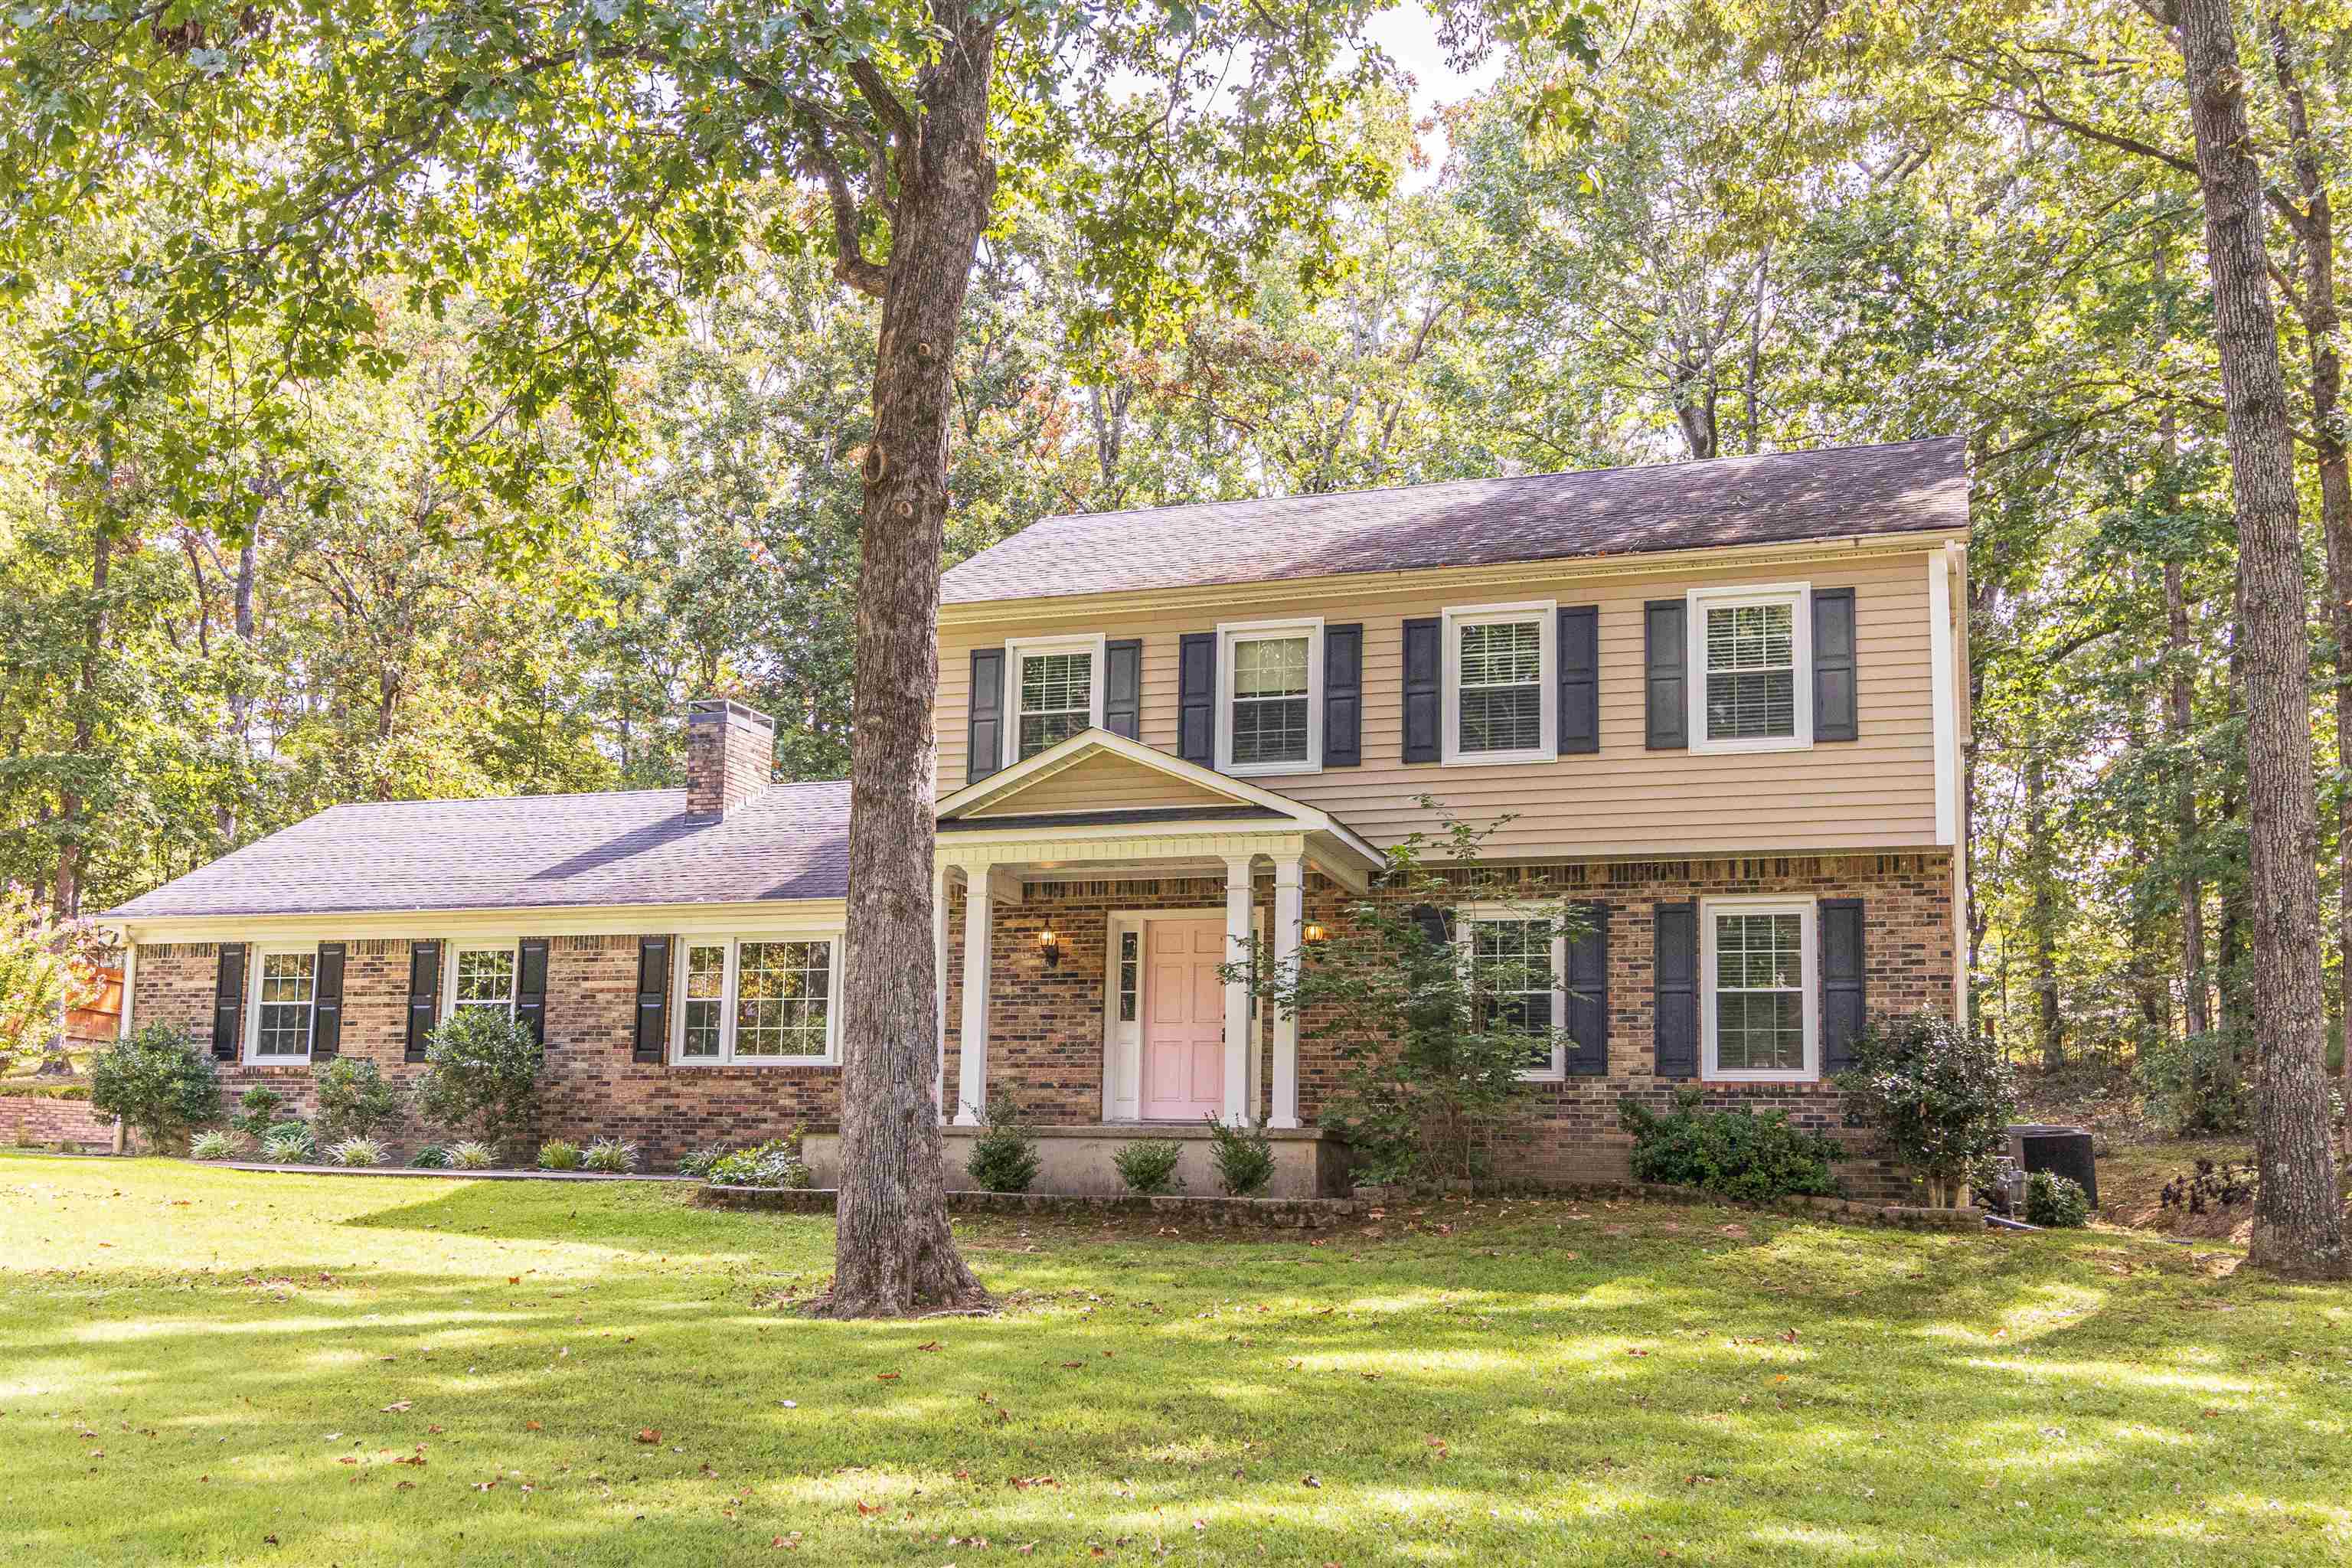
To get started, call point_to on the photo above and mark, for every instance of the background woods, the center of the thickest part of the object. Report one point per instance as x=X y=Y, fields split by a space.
x=1758 y=228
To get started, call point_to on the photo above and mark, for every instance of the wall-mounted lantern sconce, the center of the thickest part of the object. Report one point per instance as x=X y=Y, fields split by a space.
x=1311 y=933
x=1050 y=945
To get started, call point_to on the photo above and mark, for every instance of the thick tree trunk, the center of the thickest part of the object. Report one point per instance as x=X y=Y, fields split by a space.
x=2322 y=321
x=2050 y=1018
x=2298 y=1217
x=893 y=1253
x=73 y=853
x=240 y=699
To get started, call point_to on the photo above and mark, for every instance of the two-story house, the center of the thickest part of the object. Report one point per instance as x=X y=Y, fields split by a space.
x=1723 y=705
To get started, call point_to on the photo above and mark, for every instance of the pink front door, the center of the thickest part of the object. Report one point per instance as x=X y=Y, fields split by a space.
x=1183 y=1020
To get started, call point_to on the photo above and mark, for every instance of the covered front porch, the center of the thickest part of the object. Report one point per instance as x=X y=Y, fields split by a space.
x=1091 y=899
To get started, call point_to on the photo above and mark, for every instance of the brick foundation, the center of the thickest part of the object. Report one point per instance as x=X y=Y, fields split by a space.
x=33 y=1120
x=1046 y=1022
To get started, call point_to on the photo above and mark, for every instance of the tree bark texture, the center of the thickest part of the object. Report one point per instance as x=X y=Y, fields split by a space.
x=893 y=1253
x=2298 y=1217
x=72 y=825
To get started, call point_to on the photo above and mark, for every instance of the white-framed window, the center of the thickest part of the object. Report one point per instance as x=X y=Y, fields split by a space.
x=285 y=997
x=1759 y=978
x=1518 y=964
x=1055 y=688
x=1750 y=663
x=1270 y=710
x=757 y=1000
x=1502 y=693
x=482 y=974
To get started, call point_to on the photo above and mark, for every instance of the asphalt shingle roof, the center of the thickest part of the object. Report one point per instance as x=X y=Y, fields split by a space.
x=1777 y=499
x=629 y=846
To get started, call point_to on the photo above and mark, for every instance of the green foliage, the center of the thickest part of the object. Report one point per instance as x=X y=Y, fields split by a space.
x=1938 y=1095
x=432 y=1157
x=356 y=1152
x=158 y=1082
x=481 y=1075
x=354 y=1098
x=609 y=1156
x=472 y=1154
x=557 y=1154
x=2192 y=1083
x=1003 y=1156
x=290 y=1143
x=1732 y=1152
x=775 y=1163
x=698 y=1162
x=1432 y=1043
x=1148 y=1166
x=257 y=1110
x=2056 y=1201
x=214 y=1144
x=45 y=968
x=1244 y=1157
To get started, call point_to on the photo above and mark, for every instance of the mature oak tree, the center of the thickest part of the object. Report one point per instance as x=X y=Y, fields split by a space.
x=567 y=174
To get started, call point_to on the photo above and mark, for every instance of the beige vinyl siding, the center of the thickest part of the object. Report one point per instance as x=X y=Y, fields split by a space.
x=1874 y=792
x=1101 y=783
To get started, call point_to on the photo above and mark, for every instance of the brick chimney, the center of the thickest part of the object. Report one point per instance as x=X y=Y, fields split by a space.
x=731 y=755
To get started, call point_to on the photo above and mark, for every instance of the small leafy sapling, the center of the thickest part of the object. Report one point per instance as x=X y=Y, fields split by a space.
x=1938 y=1095
x=157 y=1081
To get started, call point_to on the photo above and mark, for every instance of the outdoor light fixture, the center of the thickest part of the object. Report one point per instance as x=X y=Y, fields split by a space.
x=1312 y=932
x=1051 y=946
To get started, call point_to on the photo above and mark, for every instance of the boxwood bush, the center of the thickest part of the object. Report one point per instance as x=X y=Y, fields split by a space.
x=1733 y=1152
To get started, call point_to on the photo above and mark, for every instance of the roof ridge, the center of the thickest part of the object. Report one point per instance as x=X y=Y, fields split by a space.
x=560 y=795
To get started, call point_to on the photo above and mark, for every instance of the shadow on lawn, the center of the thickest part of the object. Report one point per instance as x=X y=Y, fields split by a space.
x=1520 y=1389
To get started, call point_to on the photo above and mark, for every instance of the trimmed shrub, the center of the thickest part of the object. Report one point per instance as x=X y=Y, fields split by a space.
x=1148 y=1166
x=432 y=1157
x=356 y=1152
x=214 y=1145
x=775 y=1163
x=2056 y=1201
x=610 y=1156
x=354 y=1099
x=290 y=1143
x=556 y=1154
x=1939 y=1095
x=1244 y=1157
x=157 y=1081
x=472 y=1154
x=481 y=1075
x=1732 y=1153
x=1004 y=1156
x=258 y=1111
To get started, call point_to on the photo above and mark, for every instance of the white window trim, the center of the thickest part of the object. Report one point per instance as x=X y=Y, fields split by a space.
x=1233 y=632
x=253 y=1055
x=1018 y=648
x=1807 y=908
x=451 y=946
x=1545 y=613
x=1799 y=596
x=1469 y=915
x=734 y=942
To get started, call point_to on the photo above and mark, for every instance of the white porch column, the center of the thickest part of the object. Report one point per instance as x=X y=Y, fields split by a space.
x=979 y=933
x=1240 y=1091
x=1289 y=910
x=940 y=984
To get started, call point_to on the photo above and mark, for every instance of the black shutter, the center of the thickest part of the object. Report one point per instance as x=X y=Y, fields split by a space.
x=1196 y=697
x=228 y=1000
x=1424 y=673
x=984 y=736
x=1343 y=696
x=653 y=999
x=1588 y=993
x=1843 y=969
x=1675 y=1000
x=1834 y=664
x=1579 y=678
x=1665 y=676
x=327 y=1001
x=1123 y=687
x=424 y=997
x=530 y=986
x=1436 y=929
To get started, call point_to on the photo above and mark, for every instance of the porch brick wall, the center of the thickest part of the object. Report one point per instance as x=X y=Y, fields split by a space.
x=593 y=1089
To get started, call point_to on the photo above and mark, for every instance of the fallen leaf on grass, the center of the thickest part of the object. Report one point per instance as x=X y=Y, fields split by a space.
x=932 y=1346
x=396 y=1406
x=649 y=1434
x=885 y=1377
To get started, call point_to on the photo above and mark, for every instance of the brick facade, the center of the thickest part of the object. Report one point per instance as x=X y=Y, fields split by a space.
x=1046 y=1022
x=32 y=1120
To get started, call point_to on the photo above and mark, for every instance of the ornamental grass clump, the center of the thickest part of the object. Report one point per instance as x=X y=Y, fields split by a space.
x=610 y=1157
x=358 y=1153
x=472 y=1154
x=557 y=1154
x=290 y=1143
x=214 y=1144
x=1148 y=1166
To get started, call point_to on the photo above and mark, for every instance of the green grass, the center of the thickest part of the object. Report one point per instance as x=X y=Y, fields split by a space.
x=211 y=1366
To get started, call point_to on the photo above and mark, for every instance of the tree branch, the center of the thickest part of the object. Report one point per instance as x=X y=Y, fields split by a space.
x=850 y=263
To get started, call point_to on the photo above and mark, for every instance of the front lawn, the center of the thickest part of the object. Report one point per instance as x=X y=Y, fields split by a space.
x=210 y=1366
